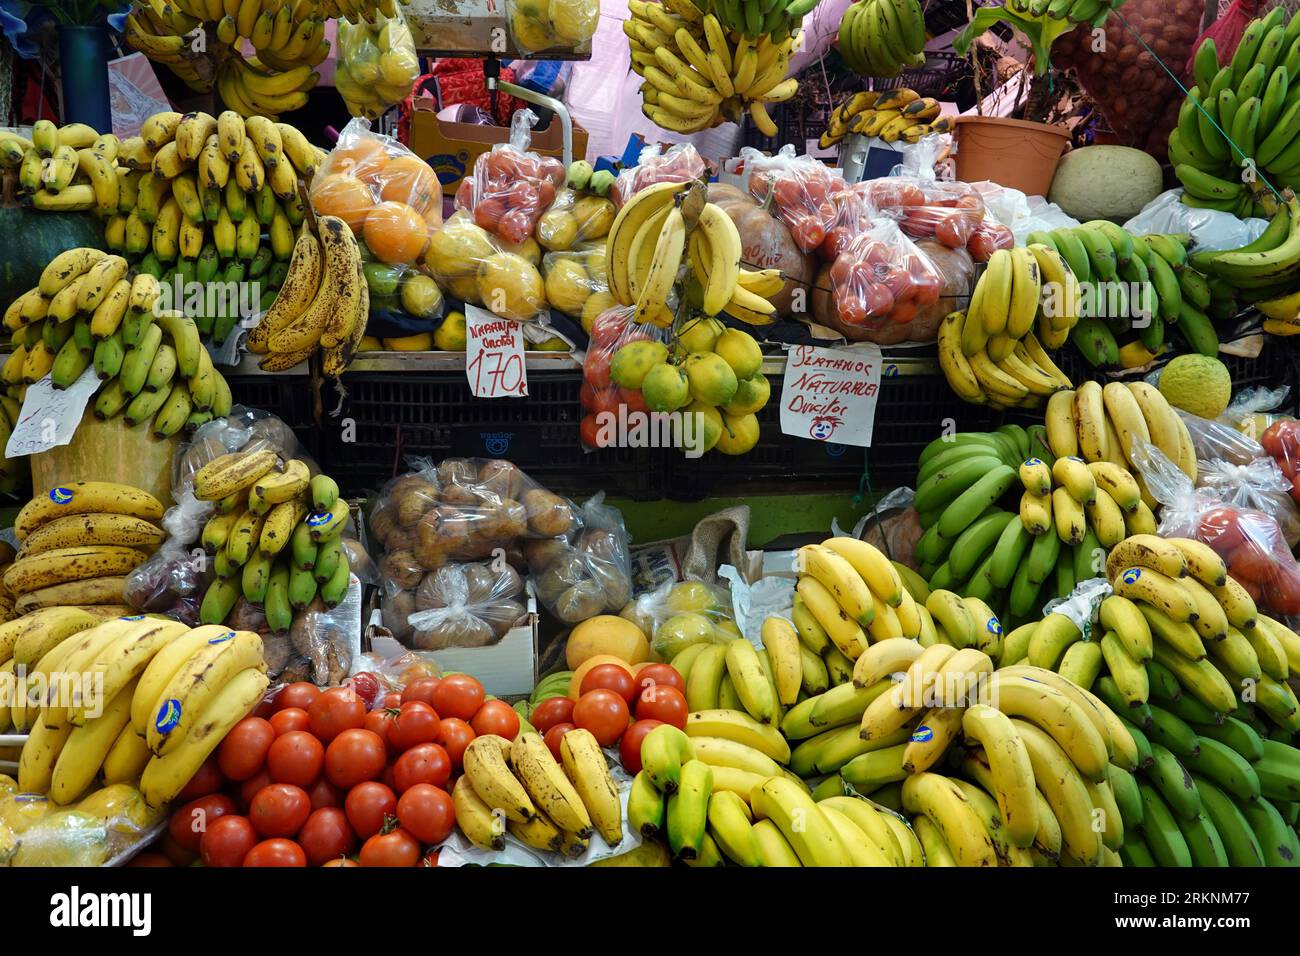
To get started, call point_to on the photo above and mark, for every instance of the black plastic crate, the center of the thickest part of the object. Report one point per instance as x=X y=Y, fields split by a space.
x=392 y=416
x=802 y=118
x=913 y=410
x=943 y=72
x=291 y=397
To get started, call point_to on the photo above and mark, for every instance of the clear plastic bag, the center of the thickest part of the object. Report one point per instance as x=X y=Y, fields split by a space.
x=64 y=838
x=377 y=64
x=576 y=283
x=475 y=266
x=680 y=613
x=511 y=187
x=465 y=605
x=622 y=370
x=766 y=243
x=1250 y=541
x=1253 y=411
x=799 y=190
x=587 y=573
x=574 y=218
x=881 y=276
x=681 y=163
x=1211 y=230
x=557 y=25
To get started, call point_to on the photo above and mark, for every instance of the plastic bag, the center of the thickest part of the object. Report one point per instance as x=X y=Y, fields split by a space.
x=475 y=266
x=626 y=367
x=576 y=283
x=765 y=243
x=558 y=25
x=587 y=573
x=465 y=605
x=573 y=218
x=678 y=614
x=1211 y=230
x=511 y=187
x=64 y=838
x=881 y=276
x=798 y=189
x=1250 y=541
x=677 y=164
x=1253 y=410
x=377 y=64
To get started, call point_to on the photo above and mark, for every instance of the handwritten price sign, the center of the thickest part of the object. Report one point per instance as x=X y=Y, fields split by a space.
x=494 y=355
x=50 y=416
x=830 y=395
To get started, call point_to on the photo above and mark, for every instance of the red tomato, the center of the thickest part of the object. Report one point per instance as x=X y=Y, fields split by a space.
x=552 y=711
x=553 y=737
x=188 y=824
x=423 y=763
x=366 y=685
x=415 y=723
x=279 y=810
x=1272 y=440
x=276 y=852
x=341 y=861
x=243 y=751
x=355 y=756
x=629 y=747
x=1250 y=562
x=391 y=701
x=290 y=719
x=296 y=758
x=666 y=674
x=175 y=852
x=367 y=806
x=459 y=695
x=604 y=713
x=378 y=722
x=325 y=794
x=596 y=369
x=605 y=401
x=427 y=813
x=496 y=717
x=250 y=787
x=590 y=433
x=336 y=710
x=633 y=398
x=1220 y=529
x=227 y=841
x=663 y=703
x=396 y=848
x=298 y=694
x=207 y=779
x=454 y=735
x=421 y=689
x=613 y=677
x=326 y=836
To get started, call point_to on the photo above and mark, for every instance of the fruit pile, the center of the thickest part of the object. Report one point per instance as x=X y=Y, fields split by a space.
x=890 y=115
x=69 y=168
x=78 y=543
x=1241 y=114
x=377 y=65
x=711 y=372
x=276 y=537
x=576 y=283
x=699 y=73
x=883 y=37
x=323 y=304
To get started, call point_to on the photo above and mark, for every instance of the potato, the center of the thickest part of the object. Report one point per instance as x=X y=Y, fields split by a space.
x=402 y=569
x=457 y=471
x=458 y=631
x=504 y=522
x=383 y=520
x=541 y=552
x=560 y=575
x=505 y=615
x=549 y=515
x=275 y=651
x=396 y=608
x=413 y=500
x=501 y=478
x=429 y=594
x=580 y=602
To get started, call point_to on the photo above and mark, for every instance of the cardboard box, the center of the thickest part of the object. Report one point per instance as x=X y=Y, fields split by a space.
x=507 y=668
x=451 y=148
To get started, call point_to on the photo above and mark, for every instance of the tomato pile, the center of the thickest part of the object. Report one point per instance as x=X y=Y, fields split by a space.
x=347 y=776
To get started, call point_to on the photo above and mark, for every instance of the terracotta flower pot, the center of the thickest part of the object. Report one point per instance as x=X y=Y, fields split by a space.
x=1009 y=152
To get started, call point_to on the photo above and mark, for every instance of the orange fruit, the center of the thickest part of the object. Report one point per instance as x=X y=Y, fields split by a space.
x=361 y=156
x=396 y=233
x=345 y=196
x=409 y=179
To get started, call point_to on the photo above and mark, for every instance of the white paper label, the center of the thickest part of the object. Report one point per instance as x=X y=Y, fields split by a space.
x=494 y=355
x=830 y=395
x=50 y=416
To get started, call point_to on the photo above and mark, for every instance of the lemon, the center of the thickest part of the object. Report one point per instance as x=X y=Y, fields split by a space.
x=421 y=296
x=700 y=334
x=567 y=286
x=557 y=230
x=712 y=380
x=739 y=350
x=420 y=342
x=1198 y=384
x=450 y=336
x=739 y=435
x=511 y=287
x=370 y=344
x=596 y=303
x=574 y=20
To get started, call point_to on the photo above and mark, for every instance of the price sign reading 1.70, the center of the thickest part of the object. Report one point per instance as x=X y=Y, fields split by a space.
x=494 y=355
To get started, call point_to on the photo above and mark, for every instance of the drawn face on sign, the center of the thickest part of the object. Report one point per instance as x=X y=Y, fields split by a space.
x=823 y=427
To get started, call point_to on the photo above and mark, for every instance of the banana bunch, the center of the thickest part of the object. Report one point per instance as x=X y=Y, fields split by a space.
x=377 y=66
x=883 y=37
x=90 y=310
x=276 y=537
x=161 y=31
x=1265 y=269
x=552 y=805
x=1242 y=114
x=668 y=224
x=890 y=115
x=64 y=169
x=77 y=544
x=989 y=353
x=1137 y=285
x=698 y=74
x=324 y=302
x=755 y=19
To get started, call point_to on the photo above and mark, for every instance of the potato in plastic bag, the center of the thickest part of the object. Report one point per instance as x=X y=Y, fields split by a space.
x=465 y=605
x=66 y=838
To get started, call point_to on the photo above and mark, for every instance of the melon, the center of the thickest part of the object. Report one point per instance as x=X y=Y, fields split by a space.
x=33 y=238
x=1106 y=182
x=606 y=634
